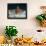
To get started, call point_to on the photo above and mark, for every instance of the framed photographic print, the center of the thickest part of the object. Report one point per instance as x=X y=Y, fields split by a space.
x=17 y=11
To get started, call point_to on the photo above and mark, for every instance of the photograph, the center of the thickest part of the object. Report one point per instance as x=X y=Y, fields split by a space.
x=17 y=11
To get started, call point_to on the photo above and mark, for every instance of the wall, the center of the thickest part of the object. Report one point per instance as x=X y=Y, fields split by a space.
x=26 y=26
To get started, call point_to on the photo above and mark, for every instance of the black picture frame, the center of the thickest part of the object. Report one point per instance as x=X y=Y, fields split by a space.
x=11 y=6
